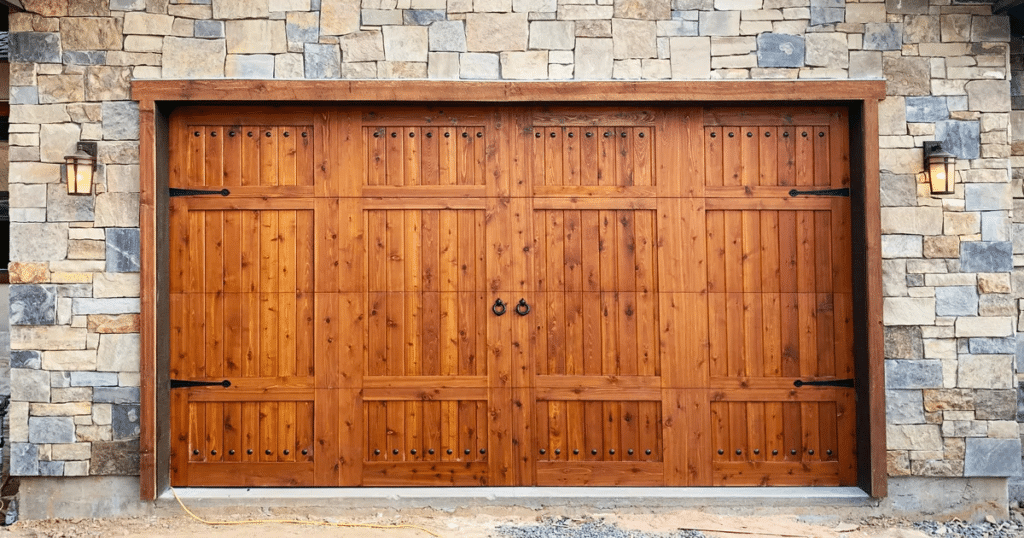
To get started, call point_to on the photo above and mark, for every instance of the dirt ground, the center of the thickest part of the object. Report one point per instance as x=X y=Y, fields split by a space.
x=471 y=525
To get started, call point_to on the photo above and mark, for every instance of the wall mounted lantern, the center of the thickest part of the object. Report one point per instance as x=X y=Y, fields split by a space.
x=940 y=166
x=80 y=167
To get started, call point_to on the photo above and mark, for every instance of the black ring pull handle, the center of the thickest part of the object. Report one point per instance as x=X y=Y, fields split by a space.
x=499 y=307
x=522 y=308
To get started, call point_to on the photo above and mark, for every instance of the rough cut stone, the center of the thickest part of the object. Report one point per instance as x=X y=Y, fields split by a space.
x=39 y=241
x=91 y=33
x=148 y=24
x=30 y=385
x=992 y=457
x=961 y=138
x=26 y=359
x=443 y=65
x=33 y=304
x=285 y=66
x=906 y=75
x=530 y=65
x=908 y=310
x=120 y=120
x=926 y=109
x=552 y=35
x=63 y=207
x=249 y=66
x=996 y=404
x=35 y=47
x=339 y=17
x=116 y=395
x=107 y=83
x=988 y=95
x=497 y=32
x=93 y=379
x=57 y=140
x=593 y=59
x=405 y=43
x=119 y=458
x=241 y=9
x=907 y=7
x=634 y=39
x=986 y=256
x=956 y=27
x=51 y=430
x=903 y=343
x=117 y=209
x=913 y=374
x=210 y=29
x=193 y=58
x=725 y=23
x=913 y=437
x=83 y=306
x=827 y=12
x=382 y=17
x=450 y=36
x=912 y=220
x=69 y=360
x=690 y=58
x=642 y=9
x=24 y=458
x=322 y=61
x=987 y=196
x=422 y=17
x=124 y=421
x=113 y=324
x=60 y=89
x=118 y=353
x=883 y=36
x=904 y=407
x=995 y=29
x=995 y=326
x=956 y=301
x=255 y=37
x=780 y=50
x=827 y=50
x=28 y=273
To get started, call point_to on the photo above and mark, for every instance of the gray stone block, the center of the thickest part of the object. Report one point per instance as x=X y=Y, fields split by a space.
x=51 y=468
x=132 y=5
x=37 y=241
x=961 y=138
x=211 y=29
x=1020 y=351
x=125 y=421
x=995 y=404
x=992 y=346
x=992 y=457
x=422 y=17
x=904 y=407
x=904 y=343
x=24 y=95
x=381 y=17
x=26 y=359
x=898 y=190
x=956 y=301
x=33 y=304
x=314 y=5
x=60 y=379
x=780 y=50
x=24 y=459
x=250 y=66
x=907 y=7
x=122 y=250
x=120 y=120
x=297 y=32
x=995 y=226
x=93 y=379
x=986 y=256
x=322 y=61
x=74 y=290
x=926 y=109
x=116 y=395
x=827 y=11
x=913 y=374
x=987 y=196
x=85 y=57
x=448 y=36
x=883 y=36
x=51 y=430
x=35 y=47
x=62 y=207
x=722 y=23
x=81 y=307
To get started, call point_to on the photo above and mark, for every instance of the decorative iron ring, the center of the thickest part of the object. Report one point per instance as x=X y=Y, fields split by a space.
x=499 y=307
x=523 y=308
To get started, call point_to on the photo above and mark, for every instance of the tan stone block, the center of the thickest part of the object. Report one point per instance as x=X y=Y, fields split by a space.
x=117 y=209
x=62 y=277
x=107 y=83
x=341 y=17
x=83 y=420
x=57 y=140
x=645 y=9
x=1003 y=429
x=48 y=338
x=144 y=43
x=531 y=65
x=18 y=422
x=859 y=13
x=937 y=468
x=897 y=462
x=241 y=9
x=93 y=433
x=400 y=70
x=86 y=250
x=71 y=394
x=913 y=437
x=193 y=58
x=78 y=266
x=28 y=273
x=90 y=33
x=47 y=8
x=912 y=220
x=115 y=285
x=71 y=451
x=634 y=39
x=985 y=371
x=256 y=37
x=942 y=246
x=76 y=468
x=69 y=360
x=916 y=455
x=60 y=89
x=60 y=410
x=496 y=32
x=984 y=326
x=994 y=283
x=140 y=22
x=101 y=414
x=690 y=58
x=369 y=46
x=593 y=28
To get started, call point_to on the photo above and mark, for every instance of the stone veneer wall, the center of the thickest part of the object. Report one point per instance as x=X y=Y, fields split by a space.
x=950 y=306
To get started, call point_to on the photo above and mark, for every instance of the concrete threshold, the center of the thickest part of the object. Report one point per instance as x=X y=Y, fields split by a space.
x=526 y=497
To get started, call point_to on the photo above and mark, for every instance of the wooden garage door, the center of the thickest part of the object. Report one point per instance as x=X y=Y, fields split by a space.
x=514 y=296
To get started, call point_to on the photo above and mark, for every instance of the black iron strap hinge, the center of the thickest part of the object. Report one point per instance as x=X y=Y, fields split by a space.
x=181 y=383
x=831 y=383
x=824 y=192
x=196 y=192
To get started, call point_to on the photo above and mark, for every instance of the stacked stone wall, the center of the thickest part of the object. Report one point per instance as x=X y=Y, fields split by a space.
x=950 y=306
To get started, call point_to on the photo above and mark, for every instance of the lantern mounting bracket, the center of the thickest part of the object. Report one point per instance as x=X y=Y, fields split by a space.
x=87 y=147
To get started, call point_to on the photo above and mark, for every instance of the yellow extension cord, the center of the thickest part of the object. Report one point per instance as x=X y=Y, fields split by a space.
x=299 y=522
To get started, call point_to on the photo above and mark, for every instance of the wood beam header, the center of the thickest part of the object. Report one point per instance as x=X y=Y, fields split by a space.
x=501 y=92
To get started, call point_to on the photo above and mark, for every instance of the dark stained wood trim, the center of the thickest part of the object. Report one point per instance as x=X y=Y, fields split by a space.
x=147 y=368
x=862 y=96
x=503 y=92
x=872 y=238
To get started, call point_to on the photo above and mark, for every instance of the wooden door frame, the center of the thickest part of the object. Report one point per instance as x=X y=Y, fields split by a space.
x=157 y=98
